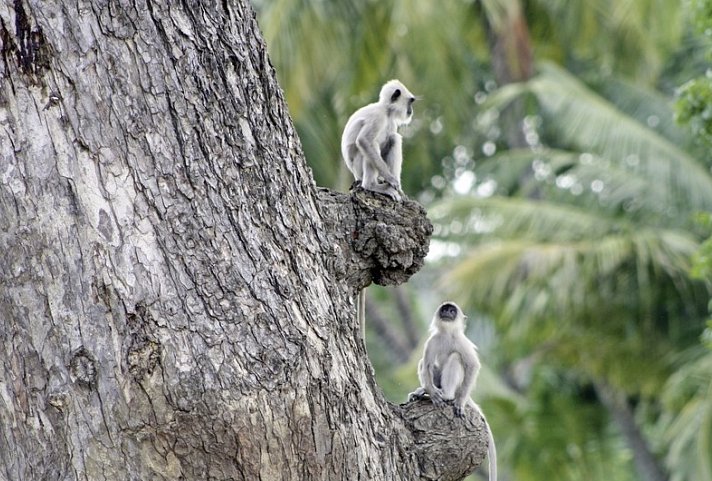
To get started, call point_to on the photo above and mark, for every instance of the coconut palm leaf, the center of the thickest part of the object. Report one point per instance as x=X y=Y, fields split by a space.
x=606 y=187
x=513 y=217
x=688 y=394
x=566 y=277
x=588 y=123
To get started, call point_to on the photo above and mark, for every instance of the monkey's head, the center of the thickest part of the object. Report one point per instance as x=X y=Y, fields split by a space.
x=398 y=101
x=449 y=317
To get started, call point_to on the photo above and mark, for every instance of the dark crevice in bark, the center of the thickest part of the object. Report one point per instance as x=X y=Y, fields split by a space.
x=32 y=51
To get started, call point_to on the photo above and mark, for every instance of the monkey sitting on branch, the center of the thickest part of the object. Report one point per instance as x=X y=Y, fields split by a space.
x=372 y=149
x=371 y=145
x=449 y=369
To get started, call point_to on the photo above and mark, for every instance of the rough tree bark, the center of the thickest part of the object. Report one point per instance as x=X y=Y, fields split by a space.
x=176 y=296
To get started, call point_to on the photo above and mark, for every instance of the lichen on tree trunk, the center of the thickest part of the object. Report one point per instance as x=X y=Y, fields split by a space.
x=176 y=296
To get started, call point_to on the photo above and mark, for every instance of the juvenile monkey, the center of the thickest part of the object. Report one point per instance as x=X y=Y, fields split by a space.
x=449 y=368
x=371 y=145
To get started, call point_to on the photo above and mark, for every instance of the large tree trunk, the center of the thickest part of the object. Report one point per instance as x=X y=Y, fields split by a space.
x=176 y=296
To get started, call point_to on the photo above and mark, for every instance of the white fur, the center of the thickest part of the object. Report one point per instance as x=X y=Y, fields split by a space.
x=449 y=368
x=371 y=145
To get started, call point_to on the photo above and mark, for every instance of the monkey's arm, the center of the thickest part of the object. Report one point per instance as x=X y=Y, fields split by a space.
x=369 y=148
x=429 y=388
x=471 y=367
x=430 y=373
x=393 y=156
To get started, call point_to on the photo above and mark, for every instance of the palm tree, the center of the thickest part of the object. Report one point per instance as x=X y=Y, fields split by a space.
x=331 y=58
x=586 y=263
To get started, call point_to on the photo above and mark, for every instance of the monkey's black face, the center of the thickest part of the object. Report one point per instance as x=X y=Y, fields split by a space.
x=448 y=312
x=410 y=106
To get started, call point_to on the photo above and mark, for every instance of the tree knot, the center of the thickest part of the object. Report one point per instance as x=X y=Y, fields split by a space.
x=370 y=238
x=447 y=448
x=82 y=368
x=392 y=238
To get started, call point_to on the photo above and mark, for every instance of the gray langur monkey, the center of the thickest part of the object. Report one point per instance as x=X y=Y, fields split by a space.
x=449 y=369
x=371 y=145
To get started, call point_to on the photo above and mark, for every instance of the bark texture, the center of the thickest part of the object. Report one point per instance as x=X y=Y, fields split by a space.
x=176 y=296
x=447 y=448
x=374 y=239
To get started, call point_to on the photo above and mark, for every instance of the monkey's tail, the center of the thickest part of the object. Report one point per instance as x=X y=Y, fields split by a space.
x=491 y=453
x=491 y=448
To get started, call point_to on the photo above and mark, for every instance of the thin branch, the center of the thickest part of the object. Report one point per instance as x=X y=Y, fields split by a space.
x=406 y=317
x=397 y=345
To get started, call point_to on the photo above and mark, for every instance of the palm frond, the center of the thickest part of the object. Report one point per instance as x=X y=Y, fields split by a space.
x=602 y=186
x=522 y=280
x=592 y=124
x=588 y=123
x=688 y=428
x=513 y=217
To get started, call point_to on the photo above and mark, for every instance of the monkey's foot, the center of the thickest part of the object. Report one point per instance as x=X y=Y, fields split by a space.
x=418 y=394
x=384 y=188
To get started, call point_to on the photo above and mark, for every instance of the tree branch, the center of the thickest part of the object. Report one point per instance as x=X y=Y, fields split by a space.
x=406 y=312
x=377 y=240
x=447 y=448
x=397 y=345
x=645 y=461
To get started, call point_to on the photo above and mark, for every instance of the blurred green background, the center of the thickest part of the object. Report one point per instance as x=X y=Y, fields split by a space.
x=562 y=149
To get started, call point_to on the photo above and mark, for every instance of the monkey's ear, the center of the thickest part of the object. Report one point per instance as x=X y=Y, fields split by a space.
x=395 y=95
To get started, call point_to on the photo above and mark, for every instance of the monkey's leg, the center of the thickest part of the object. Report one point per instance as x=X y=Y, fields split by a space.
x=373 y=159
x=452 y=376
x=356 y=164
x=370 y=182
x=393 y=156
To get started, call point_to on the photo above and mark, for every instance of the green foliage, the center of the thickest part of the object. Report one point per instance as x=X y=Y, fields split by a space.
x=584 y=251
x=701 y=15
x=580 y=249
x=556 y=430
x=629 y=38
x=702 y=260
x=694 y=107
x=694 y=98
x=686 y=428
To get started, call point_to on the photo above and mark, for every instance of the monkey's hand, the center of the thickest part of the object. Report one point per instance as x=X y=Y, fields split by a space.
x=391 y=180
x=459 y=409
x=394 y=194
x=436 y=395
